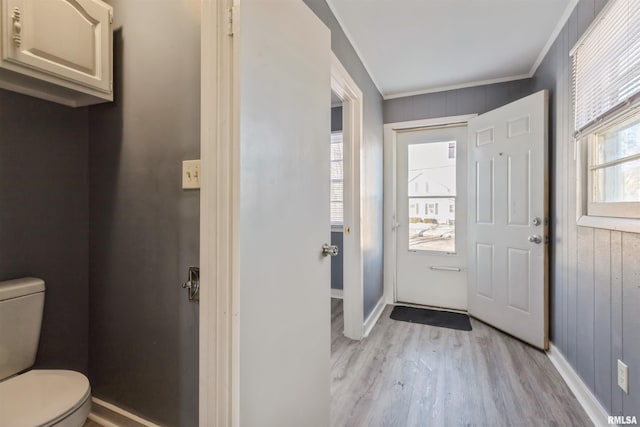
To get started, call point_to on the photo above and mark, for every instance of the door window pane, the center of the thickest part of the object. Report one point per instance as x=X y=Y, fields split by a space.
x=432 y=185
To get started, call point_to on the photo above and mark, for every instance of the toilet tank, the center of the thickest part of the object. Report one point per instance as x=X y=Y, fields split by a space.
x=21 y=304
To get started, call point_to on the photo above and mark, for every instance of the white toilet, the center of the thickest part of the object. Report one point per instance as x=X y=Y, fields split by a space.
x=33 y=398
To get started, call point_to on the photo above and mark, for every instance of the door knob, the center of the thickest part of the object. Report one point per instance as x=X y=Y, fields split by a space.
x=534 y=238
x=329 y=250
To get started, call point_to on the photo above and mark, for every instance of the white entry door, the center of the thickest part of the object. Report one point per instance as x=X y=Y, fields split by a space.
x=508 y=218
x=283 y=93
x=431 y=216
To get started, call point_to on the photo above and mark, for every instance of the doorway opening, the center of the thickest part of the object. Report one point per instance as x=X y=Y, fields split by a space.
x=337 y=199
x=430 y=209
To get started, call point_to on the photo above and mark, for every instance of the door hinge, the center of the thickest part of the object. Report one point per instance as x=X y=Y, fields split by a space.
x=230 y=18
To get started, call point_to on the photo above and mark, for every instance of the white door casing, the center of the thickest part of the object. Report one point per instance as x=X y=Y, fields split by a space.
x=431 y=278
x=391 y=132
x=508 y=218
x=350 y=94
x=265 y=312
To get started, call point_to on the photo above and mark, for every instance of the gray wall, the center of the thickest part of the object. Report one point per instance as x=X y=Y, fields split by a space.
x=479 y=99
x=336 y=119
x=372 y=155
x=595 y=274
x=144 y=227
x=44 y=218
x=337 y=270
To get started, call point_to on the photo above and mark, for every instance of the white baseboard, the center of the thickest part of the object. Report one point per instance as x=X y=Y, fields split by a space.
x=109 y=415
x=337 y=293
x=374 y=316
x=586 y=398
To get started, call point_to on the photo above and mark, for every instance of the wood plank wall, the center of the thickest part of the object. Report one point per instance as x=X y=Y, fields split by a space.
x=595 y=273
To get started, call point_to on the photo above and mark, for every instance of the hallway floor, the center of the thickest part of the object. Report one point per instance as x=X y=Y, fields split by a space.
x=408 y=375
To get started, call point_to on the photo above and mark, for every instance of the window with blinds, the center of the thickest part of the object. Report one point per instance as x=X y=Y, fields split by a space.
x=606 y=85
x=337 y=179
x=606 y=62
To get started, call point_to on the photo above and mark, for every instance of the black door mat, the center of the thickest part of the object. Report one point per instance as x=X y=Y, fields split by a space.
x=443 y=319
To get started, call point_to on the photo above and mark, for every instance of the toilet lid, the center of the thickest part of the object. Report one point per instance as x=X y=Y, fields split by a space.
x=39 y=397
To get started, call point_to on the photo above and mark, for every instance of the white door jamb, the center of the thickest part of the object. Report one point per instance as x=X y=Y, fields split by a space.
x=219 y=379
x=353 y=271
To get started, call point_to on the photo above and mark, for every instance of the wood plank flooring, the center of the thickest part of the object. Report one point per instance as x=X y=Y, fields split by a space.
x=408 y=375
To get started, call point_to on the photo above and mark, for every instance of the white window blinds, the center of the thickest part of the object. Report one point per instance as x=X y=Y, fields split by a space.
x=337 y=183
x=606 y=62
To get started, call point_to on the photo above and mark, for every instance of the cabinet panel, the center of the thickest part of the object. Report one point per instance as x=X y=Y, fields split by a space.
x=66 y=39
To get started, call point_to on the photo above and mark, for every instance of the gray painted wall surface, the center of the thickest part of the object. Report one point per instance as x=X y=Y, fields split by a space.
x=336 y=119
x=144 y=227
x=595 y=274
x=44 y=218
x=372 y=155
x=471 y=100
x=337 y=271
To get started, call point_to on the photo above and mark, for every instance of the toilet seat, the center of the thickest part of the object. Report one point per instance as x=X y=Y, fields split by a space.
x=42 y=397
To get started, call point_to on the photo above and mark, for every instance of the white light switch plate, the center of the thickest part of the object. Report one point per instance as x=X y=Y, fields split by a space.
x=190 y=174
x=623 y=376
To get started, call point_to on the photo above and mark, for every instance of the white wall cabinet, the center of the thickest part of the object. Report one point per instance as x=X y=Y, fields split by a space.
x=59 y=50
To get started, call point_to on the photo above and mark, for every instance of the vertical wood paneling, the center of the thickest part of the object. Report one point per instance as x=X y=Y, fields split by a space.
x=631 y=320
x=572 y=27
x=616 y=320
x=596 y=319
x=586 y=13
x=570 y=218
x=563 y=147
x=602 y=316
x=453 y=98
x=599 y=4
x=470 y=100
x=585 y=346
x=566 y=124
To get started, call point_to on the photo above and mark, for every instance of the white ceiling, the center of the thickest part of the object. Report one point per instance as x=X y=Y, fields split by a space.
x=421 y=46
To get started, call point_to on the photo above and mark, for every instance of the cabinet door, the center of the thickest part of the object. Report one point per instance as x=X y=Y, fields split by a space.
x=69 y=39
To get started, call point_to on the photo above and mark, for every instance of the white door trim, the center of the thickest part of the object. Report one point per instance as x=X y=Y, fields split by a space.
x=353 y=262
x=390 y=134
x=219 y=379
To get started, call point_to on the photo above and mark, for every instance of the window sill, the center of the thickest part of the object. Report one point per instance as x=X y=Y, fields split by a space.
x=630 y=225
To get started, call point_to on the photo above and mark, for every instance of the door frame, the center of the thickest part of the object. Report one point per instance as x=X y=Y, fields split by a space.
x=390 y=181
x=350 y=94
x=219 y=229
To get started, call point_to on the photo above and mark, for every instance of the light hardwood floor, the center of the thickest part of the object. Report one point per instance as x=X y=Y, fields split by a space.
x=409 y=375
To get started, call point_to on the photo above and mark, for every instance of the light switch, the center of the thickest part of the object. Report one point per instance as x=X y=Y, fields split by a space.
x=191 y=174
